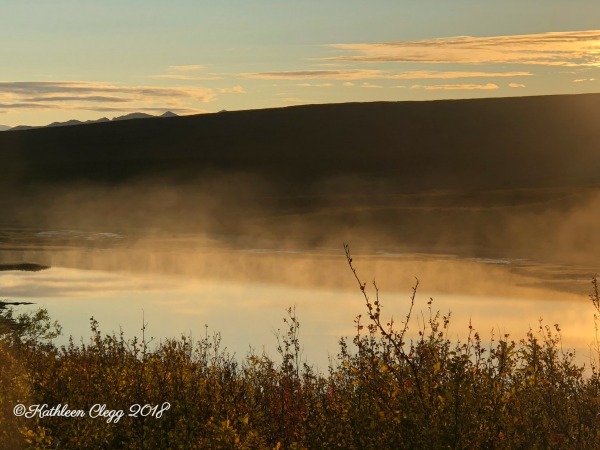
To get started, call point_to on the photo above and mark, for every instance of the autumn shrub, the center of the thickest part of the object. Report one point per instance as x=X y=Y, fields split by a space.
x=393 y=385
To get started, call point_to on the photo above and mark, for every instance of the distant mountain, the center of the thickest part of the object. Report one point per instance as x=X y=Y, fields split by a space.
x=21 y=128
x=76 y=122
x=63 y=124
x=136 y=115
x=72 y=122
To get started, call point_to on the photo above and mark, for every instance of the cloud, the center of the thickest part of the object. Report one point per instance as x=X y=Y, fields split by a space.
x=320 y=85
x=571 y=49
x=83 y=98
x=94 y=96
x=187 y=73
x=24 y=106
x=581 y=80
x=48 y=89
x=314 y=74
x=149 y=110
x=181 y=77
x=348 y=84
x=75 y=107
x=366 y=74
x=233 y=90
x=370 y=85
x=188 y=68
x=423 y=75
x=516 y=85
x=456 y=87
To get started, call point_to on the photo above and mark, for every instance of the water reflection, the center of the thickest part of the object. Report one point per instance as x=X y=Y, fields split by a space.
x=244 y=293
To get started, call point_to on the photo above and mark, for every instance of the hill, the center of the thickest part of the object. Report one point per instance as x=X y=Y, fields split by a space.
x=486 y=178
x=79 y=122
x=489 y=143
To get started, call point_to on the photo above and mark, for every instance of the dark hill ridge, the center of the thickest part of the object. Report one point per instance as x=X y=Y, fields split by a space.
x=492 y=178
x=483 y=143
x=73 y=122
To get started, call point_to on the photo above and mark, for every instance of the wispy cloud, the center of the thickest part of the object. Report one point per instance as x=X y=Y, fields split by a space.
x=188 y=68
x=516 y=85
x=82 y=98
x=24 y=106
x=232 y=90
x=456 y=87
x=4 y=107
x=581 y=80
x=422 y=75
x=577 y=48
x=319 y=85
x=73 y=95
x=314 y=74
x=370 y=86
x=193 y=72
x=370 y=74
x=48 y=89
x=181 y=77
x=149 y=110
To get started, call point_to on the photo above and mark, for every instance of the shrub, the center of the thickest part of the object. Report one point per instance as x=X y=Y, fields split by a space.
x=385 y=390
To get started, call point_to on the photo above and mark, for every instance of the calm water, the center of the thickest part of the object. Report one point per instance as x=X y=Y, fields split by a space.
x=186 y=284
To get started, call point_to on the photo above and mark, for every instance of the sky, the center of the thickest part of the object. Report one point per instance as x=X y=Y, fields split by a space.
x=84 y=59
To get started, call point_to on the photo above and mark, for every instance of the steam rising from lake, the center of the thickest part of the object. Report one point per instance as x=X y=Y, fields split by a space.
x=234 y=251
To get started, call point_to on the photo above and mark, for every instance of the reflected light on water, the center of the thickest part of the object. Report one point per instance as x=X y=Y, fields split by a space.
x=247 y=314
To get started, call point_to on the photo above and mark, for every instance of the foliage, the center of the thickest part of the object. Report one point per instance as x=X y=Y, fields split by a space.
x=383 y=391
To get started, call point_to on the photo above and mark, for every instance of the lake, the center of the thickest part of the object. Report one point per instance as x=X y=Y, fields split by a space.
x=183 y=283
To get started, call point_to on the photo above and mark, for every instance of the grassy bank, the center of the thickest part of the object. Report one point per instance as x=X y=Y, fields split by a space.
x=384 y=390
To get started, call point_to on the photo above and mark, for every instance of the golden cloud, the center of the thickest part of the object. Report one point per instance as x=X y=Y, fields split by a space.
x=187 y=73
x=181 y=77
x=371 y=86
x=454 y=75
x=320 y=85
x=232 y=90
x=74 y=95
x=189 y=68
x=577 y=48
x=456 y=87
x=370 y=74
x=314 y=74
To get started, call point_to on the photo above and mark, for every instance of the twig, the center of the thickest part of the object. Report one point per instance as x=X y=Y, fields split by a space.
x=397 y=340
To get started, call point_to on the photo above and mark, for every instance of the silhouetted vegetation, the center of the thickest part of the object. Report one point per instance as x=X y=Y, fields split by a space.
x=386 y=389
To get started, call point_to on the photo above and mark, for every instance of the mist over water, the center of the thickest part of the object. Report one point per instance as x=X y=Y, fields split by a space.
x=234 y=250
x=243 y=209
